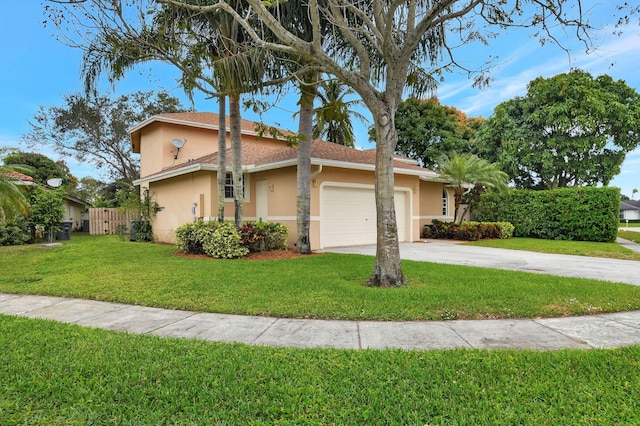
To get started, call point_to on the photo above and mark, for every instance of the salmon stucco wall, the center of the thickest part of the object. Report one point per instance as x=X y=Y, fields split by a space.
x=181 y=202
x=431 y=203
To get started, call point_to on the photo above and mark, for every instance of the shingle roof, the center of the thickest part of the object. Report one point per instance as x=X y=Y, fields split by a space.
x=18 y=176
x=209 y=119
x=629 y=205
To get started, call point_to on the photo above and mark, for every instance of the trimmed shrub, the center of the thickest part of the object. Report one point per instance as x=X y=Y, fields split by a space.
x=467 y=231
x=582 y=213
x=14 y=233
x=191 y=236
x=224 y=242
x=264 y=236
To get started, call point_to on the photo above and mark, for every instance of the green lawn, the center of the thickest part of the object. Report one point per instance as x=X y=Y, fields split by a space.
x=578 y=248
x=630 y=235
x=59 y=374
x=320 y=286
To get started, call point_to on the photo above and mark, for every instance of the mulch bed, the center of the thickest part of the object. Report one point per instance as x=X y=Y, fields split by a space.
x=263 y=255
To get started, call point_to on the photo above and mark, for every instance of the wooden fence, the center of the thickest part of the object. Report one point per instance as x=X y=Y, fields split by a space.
x=108 y=221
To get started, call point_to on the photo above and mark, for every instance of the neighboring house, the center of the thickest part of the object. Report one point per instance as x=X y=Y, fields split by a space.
x=74 y=211
x=629 y=210
x=183 y=182
x=73 y=207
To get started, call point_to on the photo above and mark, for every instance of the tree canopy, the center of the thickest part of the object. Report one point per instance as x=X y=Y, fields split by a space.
x=43 y=168
x=568 y=130
x=427 y=130
x=95 y=128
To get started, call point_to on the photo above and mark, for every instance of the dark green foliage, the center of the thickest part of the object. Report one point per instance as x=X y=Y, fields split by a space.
x=264 y=236
x=428 y=130
x=15 y=232
x=582 y=214
x=467 y=231
x=47 y=210
x=141 y=230
x=569 y=130
x=44 y=168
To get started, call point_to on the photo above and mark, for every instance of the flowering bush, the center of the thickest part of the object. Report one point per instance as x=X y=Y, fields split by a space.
x=222 y=239
x=263 y=236
x=468 y=231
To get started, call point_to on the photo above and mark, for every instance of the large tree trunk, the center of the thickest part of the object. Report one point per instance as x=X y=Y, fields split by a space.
x=236 y=157
x=387 y=271
x=222 y=154
x=303 y=200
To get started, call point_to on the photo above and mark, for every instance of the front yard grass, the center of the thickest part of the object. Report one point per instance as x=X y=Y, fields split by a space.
x=577 y=248
x=630 y=235
x=329 y=286
x=60 y=374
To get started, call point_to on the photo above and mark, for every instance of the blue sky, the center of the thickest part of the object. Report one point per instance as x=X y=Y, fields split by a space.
x=37 y=70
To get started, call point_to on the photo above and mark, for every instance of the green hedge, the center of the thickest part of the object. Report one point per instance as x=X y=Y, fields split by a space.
x=467 y=231
x=582 y=214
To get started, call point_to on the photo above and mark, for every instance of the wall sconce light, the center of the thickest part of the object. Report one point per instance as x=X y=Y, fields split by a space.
x=316 y=183
x=271 y=187
x=178 y=144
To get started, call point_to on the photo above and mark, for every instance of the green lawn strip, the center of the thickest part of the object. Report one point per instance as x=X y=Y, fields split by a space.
x=576 y=248
x=630 y=235
x=329 y=286
x=63 y=374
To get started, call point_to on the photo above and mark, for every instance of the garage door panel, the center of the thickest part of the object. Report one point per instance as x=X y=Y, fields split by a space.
x=348 y=216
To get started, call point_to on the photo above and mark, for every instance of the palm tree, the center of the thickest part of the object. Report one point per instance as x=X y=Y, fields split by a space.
x=468 y=172
x=333 y=117
x=12 y=198
x=208 y=48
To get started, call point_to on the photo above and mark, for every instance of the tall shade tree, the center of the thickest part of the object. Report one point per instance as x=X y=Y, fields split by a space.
x=94 y=128
x=427 y=130
x=568 y=130
x=333 y=118
x=468 y=173
x=389 y=43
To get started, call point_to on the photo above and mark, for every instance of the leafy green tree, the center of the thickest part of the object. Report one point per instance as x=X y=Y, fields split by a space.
x=428 y=130
x=89 y=189
x=333 y=118
x=472 y=175
x=94 y=128
x=568 y=130
x=47 y=209
x=43 y=168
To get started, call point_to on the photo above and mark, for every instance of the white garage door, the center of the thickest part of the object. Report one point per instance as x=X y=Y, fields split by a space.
x=348 y=216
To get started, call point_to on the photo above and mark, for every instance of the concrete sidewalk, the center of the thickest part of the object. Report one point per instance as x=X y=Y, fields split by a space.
x=597 y=331
x=439 y=251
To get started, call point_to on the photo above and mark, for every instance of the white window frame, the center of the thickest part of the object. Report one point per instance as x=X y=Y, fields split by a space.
x=245 y=186
x=445 y=202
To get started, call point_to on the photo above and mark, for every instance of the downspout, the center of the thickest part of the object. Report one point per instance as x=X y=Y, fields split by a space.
x=317 y=172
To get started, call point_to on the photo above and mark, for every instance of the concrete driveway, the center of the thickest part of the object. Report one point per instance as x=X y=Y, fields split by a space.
x=438 y=251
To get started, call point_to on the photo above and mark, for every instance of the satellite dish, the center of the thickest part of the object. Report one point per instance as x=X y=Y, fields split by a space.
x=178 y=143
x=54 y=182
